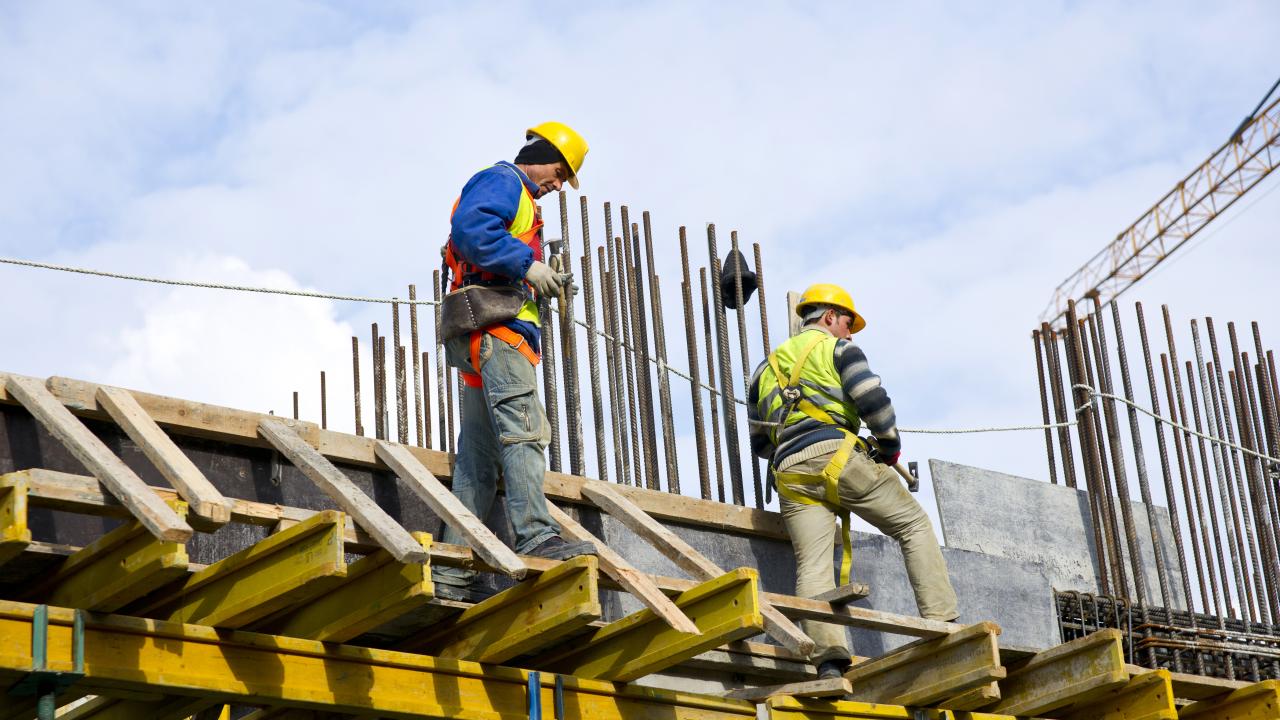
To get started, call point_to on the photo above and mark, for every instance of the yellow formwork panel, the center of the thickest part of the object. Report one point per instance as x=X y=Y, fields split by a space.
x=1147 y=696
x=522 y=619
x=1259 y=701
x=1067 y=674
x=790 y=708
x=377 y=589
x=124 y=654
x=116 y=569
x=15 y=535
x=725 y=609
x=287 y=568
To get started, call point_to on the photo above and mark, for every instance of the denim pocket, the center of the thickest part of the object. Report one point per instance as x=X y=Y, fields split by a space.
x=516 y=413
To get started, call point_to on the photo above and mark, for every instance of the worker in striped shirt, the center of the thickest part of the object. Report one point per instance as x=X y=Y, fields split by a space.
x=805 y=406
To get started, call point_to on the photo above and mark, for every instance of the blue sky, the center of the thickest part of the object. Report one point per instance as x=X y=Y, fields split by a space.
x=948 y=163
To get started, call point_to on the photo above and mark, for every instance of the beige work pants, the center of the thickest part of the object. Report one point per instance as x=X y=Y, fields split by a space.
x=875 y=493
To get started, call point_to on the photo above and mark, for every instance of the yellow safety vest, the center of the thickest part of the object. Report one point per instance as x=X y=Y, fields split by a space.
x=798 y=385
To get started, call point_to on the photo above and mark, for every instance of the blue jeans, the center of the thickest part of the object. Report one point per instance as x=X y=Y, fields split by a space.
x=504 y=434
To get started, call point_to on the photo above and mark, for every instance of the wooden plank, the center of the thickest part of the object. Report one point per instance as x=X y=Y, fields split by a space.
x=615 y=566
x=243 y=667
x=1147 y=696
x=728 y=659
x=445 y=505
x=195 y=419
x=787 y=707
x=200 y=494
x=1194 y=687
x=726 y=608
x=689 y=559
x=830 y=687
x=377 y=589
x=100 y=461
x=1064 y=675
x=15 y=535
x=978 y=697
x=284 y=569
x=844 y=594
x=526 y=618
x=390 y=535
x=926 y=672
x=115 y=570
x=1252 y=702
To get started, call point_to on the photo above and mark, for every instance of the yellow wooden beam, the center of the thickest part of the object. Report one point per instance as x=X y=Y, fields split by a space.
x=1147 y=696
x=15 y=535
x=282 y=570
x=116 y=569
x=1258 y=701
x=1066 y=674
x=522 y=619
x=123 y=654
x=792 y=708
x=726 y=608
x=110 y=708
x=377 y=589
x=926 y=672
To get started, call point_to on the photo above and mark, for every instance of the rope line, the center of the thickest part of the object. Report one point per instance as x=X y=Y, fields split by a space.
x=1094 y=394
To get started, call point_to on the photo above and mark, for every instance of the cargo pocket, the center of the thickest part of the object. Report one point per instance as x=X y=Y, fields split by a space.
x=517 y=414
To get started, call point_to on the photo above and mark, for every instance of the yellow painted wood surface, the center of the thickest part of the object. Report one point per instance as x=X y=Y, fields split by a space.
x=15 y=535
x=1147 y=696
x=1259 y=701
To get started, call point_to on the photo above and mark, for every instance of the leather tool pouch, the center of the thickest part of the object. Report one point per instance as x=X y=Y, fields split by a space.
x=476 y=307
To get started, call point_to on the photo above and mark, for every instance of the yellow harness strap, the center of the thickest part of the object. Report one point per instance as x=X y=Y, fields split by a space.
x=804 y=405
x=830 y=477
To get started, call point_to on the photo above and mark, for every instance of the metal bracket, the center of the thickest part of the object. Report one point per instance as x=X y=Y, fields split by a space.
x=535 y=695
x=41 y=680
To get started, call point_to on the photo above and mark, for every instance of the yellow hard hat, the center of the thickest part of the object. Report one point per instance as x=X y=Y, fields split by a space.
x=834 y=295
x=567 y=141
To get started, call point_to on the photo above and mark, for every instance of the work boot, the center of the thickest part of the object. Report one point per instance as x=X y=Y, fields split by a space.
x=830 y=669
x=555 y=548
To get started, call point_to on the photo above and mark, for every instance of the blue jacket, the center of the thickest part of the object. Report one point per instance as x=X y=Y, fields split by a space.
x=479 y=234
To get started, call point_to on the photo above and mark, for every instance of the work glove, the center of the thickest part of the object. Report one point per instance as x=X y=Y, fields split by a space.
x=545 y=280
x=888 y=451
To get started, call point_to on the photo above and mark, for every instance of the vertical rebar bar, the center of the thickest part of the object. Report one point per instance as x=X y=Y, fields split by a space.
x=1217 y=392
x=1175 y=525
x=324 y=404
x=617 y=415
x=621 y=420
x=1086 y=413
x=630 y=359
x=711 y=381
x=569 y=352
x=426 y=395
x=420 y=439
x=1241 y=392
x=1140 y=466
x=695 y=385
x=382 y=371
x=1044 y=408
x=377 y=385
x=441 y=381
x=355 y=382
x=295 y=404
x=1050 y=339
x=1107 y=497
x=660 y=347
x=402 y=400
x=764 y=340
x=640 y=325
x=726 y=380
x=739 y=261
x=1269 y=469
x=1228 y=607
x=551 y=395
x=593 y=351
x=1197 y=527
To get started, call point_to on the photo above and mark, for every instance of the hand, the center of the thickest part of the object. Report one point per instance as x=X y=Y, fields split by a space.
x=544 y=280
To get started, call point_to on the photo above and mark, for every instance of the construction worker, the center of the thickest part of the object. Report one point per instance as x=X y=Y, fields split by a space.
x=805 y=405
x=496 y=242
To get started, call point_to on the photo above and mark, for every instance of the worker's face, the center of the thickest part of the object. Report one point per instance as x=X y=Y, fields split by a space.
x=548 y=177
x=839 y=323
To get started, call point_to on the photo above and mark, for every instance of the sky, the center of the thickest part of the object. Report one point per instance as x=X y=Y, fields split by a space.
x=948 y=163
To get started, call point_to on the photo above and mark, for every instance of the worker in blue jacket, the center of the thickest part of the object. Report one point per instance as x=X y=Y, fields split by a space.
x=496 y=240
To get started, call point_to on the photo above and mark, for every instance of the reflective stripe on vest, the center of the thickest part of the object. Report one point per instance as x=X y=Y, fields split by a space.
x=526 y=227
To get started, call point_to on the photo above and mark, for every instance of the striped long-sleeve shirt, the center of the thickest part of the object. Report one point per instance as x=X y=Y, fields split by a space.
x=859 y=385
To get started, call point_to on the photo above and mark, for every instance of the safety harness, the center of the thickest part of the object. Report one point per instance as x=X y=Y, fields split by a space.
x=793 y=399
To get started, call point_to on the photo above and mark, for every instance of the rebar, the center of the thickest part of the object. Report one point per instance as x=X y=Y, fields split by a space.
x=324 y=404
x=1085 y=411
x=1224 y=577
x=660 y=347
x=1269 y=471
x=382 y=395
x=441 y=381
x=1044 y=408
x=593 y=354
x=1241 y=392
x=420 y=439
x=569 y=351
x=426 y=394
x=695 y=386
x=764 y=338
x=620 y=280
x=640 y=342
x=617 y=415
x=355 y=382
x=622 y=368
x=550 y=393
x=378 y=430
x=1196 y=525
x=742 y=354
x=402 y=400
x=1050 y=339
x=295 y=404
x=711 y=381
x=1107 y=496
x=726 y=381
x=1175 y=524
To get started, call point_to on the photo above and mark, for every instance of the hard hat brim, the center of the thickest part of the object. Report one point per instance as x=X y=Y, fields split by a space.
x=573 y=180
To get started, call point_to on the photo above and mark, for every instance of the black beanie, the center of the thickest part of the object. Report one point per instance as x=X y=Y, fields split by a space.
x=538 y=152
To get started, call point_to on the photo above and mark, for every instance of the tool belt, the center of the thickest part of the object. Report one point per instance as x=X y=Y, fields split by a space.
x=475 y=307
x=505 y=334
x=830 y=478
